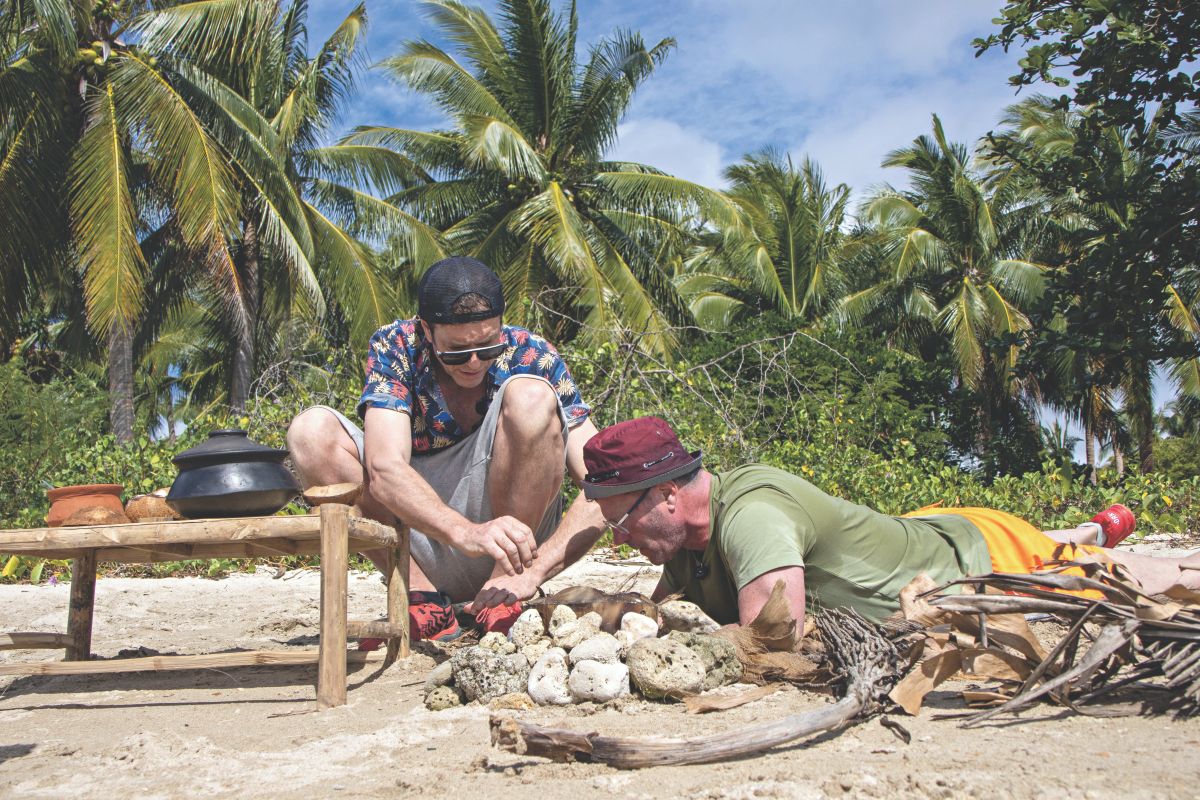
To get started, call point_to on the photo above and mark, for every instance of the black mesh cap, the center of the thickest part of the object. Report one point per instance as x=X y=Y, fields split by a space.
x=452 y=279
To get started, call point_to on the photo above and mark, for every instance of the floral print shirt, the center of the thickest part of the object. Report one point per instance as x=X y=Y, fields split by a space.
x=400 y=377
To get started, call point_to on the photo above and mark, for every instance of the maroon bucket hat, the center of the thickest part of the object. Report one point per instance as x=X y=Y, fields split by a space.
x=634 y=455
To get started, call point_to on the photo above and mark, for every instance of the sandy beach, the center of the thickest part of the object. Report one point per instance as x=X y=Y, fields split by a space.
x=254 y=732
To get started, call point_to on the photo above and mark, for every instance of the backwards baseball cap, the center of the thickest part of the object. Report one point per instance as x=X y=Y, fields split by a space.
x=634 y=455
x=452 y=279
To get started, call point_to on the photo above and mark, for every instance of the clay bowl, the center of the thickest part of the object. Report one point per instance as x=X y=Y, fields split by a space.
x=66 y=501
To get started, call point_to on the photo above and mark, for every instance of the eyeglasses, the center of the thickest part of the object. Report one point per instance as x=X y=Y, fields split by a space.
x=456 y=357
x=619 y=525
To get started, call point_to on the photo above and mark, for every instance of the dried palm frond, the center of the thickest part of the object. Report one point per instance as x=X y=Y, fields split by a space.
x=1120 y=638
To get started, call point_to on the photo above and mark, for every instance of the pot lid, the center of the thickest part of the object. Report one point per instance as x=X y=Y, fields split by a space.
x=230 y=444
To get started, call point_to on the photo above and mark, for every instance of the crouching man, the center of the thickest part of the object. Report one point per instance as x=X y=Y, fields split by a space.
x=467 y=424
x=725 y=540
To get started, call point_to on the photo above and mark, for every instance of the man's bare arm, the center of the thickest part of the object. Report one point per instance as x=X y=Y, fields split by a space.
x=754 y=595
x=395 y=484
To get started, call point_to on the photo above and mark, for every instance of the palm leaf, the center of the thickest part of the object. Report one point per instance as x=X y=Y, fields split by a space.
x=104 y=220
x=364 y=296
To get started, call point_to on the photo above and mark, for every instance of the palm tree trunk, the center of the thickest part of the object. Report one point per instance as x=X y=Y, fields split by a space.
x=243 y=356
x=1119 y=458
x=1089 y=449
x=120 y=381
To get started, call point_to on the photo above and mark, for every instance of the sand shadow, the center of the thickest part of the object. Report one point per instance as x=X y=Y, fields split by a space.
x=359 y=673
x=11 y=751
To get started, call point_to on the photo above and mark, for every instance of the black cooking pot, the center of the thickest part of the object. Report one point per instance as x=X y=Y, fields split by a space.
x=231 y=476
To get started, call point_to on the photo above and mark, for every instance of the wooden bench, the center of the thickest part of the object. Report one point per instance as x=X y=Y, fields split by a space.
x=333 y=534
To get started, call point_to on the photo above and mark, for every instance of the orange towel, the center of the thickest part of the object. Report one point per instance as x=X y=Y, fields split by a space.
x=1015 y=545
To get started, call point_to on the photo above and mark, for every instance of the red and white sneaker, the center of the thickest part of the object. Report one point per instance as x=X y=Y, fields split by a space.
x=430 y=616
x=1116 y=522
x=499 y=618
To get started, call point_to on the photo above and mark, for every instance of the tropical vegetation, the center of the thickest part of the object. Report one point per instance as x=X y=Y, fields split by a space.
x=191 y=238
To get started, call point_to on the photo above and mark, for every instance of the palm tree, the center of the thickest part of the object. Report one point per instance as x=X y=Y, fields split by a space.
x=306 y=217
x=520 y=180
x=1036 y=134
x=959 y=269
x=90 y=107
x=790 y=259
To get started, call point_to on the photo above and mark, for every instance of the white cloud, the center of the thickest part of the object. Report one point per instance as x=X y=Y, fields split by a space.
x=670 y=147
x=851 y=140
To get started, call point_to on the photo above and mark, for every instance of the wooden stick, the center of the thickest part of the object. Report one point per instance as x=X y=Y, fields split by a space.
x=246 y=658
x=397 y=596
x=377 y=630
x=83 y=601
x=331 y=670
x=22 y=640
x=562 y=744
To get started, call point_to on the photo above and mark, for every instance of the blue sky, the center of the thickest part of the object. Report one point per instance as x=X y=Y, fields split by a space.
x=840 y=81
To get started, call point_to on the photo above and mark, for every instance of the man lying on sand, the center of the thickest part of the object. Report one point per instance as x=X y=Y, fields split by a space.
x=467 y=425
x=725 y=540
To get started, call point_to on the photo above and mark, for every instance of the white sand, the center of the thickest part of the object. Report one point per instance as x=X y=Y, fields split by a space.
x=253 y=732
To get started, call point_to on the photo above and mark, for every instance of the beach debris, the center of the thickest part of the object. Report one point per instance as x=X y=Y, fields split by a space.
x=664 y=668
x=570 y=634
x=638 y=626
x=533 y=652
x=683 y=615
x=1120 y=638
x=441 y=675
x=442 y=698
x=581 y=600
x=719 y=656
x=514 y=701
x=561 y=615
x=602 y=647
x=498 y=643
x=483 y=674
x=528 y=628
x=598 y=682
x=706 y=703
x=548 y=679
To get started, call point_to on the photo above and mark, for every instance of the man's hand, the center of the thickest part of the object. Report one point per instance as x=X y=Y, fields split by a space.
x=503 y=590
x=506 y=539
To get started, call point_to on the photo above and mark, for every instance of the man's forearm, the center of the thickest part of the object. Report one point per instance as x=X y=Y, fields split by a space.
x=403 y=491
x=581 y=526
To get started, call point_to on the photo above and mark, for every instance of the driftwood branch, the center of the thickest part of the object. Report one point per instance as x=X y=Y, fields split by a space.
x=865 y=663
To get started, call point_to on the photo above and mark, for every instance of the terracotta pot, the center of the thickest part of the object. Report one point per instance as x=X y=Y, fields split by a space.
x=66 y=500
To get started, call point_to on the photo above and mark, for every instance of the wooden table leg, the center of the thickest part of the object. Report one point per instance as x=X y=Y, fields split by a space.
x=397 y=596
x=83 y=602
x=331 y=661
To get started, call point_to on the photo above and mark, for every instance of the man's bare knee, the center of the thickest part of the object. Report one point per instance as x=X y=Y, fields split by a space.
x=529 y=409
x=321 y=449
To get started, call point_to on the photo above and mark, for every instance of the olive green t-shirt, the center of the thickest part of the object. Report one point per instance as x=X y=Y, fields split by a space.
x=765 y=518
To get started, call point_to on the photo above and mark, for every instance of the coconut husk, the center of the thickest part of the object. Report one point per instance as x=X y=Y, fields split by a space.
x=150 y=508
x=96 y=515
x=767 y=646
